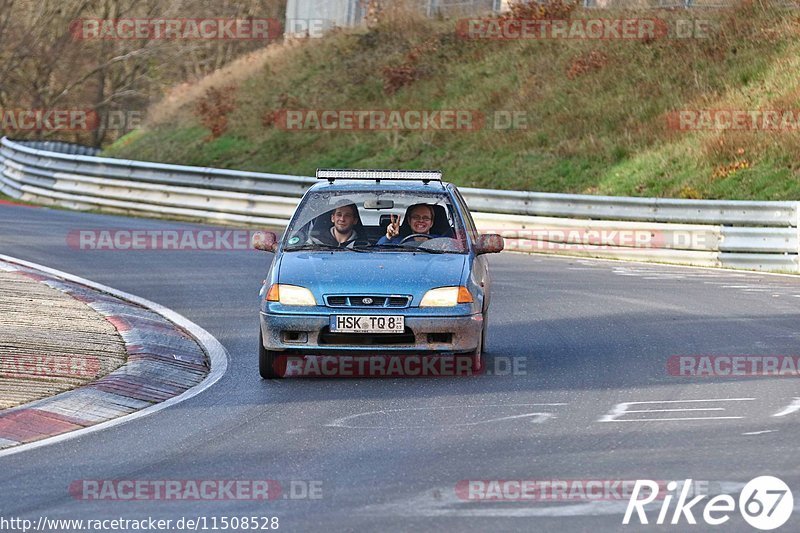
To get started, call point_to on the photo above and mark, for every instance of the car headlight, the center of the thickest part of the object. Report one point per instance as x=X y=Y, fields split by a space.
x=446 y=297
x=290 y=295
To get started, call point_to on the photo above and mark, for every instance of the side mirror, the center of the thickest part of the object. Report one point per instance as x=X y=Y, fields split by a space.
x=489 y=243
x=265 y=241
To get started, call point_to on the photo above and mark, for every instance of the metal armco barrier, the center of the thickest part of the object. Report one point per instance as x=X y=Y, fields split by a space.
x=718 y=233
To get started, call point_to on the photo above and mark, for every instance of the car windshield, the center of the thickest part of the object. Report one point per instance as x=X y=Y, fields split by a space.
x=325 y=220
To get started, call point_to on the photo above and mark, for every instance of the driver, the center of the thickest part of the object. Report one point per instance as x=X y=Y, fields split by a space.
x=420 y=219
x=342 y=233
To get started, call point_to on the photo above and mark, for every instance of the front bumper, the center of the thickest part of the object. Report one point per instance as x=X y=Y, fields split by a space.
x=424 y=335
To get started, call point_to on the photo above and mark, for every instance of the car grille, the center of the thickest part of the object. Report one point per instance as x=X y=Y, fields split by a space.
x=394 y=301
x=362 y=339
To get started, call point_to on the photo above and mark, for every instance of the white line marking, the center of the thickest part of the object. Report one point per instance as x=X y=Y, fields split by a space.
x=760 y=432
x=217 y=355
x=791 y=408
x=538 y=418
x=692 y=401
x=621 y=409
x=674 y=410
x=676 y=419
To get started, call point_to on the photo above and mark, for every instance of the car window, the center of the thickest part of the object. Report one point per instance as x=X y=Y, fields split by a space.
x=468 y=222
x=313 y=216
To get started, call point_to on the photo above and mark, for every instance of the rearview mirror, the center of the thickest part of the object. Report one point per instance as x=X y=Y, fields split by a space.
x=489 y=243
x=266 y=241
x=377 y=203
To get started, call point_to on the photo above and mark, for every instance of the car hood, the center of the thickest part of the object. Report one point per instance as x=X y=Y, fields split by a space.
x=371 y=273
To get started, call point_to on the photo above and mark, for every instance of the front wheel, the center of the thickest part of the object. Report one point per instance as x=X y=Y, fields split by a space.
x=478 y=360
x=266 y=360
x=478 y=357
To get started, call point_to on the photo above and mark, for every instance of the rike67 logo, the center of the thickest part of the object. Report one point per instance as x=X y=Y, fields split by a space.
x=765 y=503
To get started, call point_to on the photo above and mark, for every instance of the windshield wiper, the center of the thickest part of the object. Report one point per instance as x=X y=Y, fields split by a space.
x=387 y=245
x=428 y=250
x=393 y=246
x=321 y=246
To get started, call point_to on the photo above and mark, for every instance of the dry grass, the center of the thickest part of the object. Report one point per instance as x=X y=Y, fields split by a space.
x=665 y=4
x=402 y=15
x=180 y=98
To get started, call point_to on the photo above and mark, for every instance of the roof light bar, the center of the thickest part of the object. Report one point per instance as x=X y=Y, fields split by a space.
x=331 y=174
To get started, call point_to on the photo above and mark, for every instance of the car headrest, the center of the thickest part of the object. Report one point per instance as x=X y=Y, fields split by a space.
x=384 y=222
x=440 y=224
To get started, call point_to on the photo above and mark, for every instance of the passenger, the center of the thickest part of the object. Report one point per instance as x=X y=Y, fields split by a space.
x=420 y=220
x=342 y=232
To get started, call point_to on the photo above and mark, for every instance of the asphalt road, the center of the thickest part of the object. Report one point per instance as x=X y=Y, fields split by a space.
x=388 y=454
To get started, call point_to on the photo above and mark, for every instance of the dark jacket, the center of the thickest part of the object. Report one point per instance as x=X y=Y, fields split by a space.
x=326 y=237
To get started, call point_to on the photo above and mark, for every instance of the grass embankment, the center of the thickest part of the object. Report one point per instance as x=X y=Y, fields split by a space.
x=596 y=110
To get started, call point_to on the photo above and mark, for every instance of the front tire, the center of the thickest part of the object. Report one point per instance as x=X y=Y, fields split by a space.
x=478 y=356
x=266 y=360
x=478 y=361
x=485 y=330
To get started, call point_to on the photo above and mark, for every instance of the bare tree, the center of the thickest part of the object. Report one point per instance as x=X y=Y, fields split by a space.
x=43 y=65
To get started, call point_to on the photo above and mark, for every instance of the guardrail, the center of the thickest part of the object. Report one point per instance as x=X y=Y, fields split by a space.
x=678 y=4
x=63 y=147
x=720 y=233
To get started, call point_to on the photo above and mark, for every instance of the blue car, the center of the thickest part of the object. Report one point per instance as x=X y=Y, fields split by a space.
x=376 y=263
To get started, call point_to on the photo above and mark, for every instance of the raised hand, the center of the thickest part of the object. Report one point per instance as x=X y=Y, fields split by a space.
x=393 y=229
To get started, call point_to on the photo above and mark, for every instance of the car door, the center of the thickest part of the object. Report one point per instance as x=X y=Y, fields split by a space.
x=480 y=263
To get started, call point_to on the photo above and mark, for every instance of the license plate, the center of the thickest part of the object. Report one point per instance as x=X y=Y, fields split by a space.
x=367 y=324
